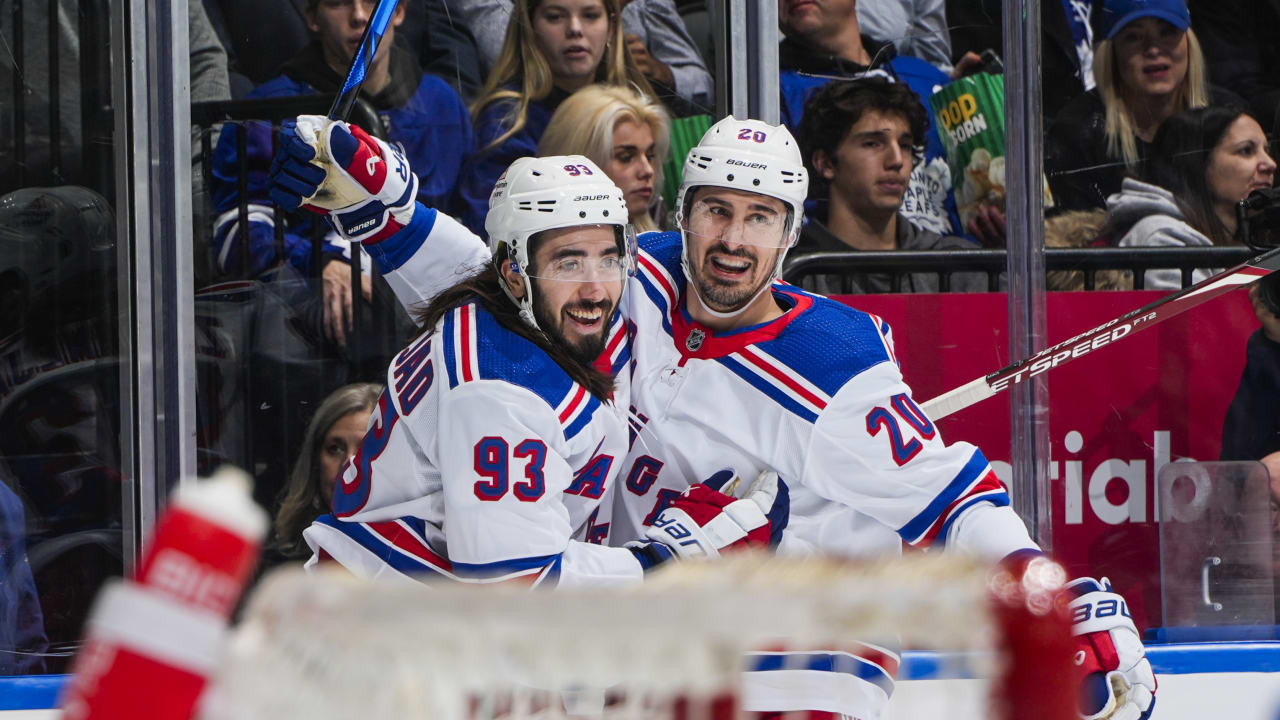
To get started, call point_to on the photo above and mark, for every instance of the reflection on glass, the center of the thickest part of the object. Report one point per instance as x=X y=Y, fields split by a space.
x=60 y=405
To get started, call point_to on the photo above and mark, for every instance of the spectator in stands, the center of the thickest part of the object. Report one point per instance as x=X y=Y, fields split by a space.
x=1240 y=46
x=1251 y=429
x=552 y=48
x=23 y=643
x=260 y=37
x=824 y=41
x=915 y=27
x=1066 y=43
x=1147 y=66
x=332 y=436
x=419 y=112
x=1200 y=165
x=653 y=32
x=860 y=140
x=622 y=131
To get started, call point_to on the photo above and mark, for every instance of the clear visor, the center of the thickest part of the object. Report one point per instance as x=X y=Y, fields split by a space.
x=575 y=266
x=717 y=221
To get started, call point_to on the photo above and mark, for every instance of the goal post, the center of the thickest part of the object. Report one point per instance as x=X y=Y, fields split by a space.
x=329 y=646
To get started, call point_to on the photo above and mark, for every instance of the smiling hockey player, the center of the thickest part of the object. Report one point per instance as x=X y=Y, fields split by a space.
x=497 y=437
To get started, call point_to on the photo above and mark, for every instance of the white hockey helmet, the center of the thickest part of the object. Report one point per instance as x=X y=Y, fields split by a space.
x=752 y=156
x=549 y=193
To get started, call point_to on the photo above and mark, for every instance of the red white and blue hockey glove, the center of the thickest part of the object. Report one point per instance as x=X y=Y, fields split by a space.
x=704 y=521
x=1117 y=682
x=362 y=184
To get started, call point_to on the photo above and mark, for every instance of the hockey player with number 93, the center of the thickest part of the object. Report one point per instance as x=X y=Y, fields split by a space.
x=496 y=436
x=731 y=367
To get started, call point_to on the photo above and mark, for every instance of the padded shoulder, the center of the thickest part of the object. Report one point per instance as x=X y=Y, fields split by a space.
x=830 y=343
x=478 y=347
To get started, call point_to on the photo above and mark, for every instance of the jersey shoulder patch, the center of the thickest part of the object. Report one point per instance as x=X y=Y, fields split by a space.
x=478 y=347
x=830 y=343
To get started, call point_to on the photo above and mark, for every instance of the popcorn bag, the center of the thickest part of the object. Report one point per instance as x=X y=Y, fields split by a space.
x=970 y=114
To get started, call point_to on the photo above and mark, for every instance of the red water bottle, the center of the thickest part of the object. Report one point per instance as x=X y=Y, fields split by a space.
x=153 y=641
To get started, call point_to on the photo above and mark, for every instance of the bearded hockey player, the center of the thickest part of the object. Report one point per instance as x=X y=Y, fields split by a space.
x=497 y=435
x=732 y=367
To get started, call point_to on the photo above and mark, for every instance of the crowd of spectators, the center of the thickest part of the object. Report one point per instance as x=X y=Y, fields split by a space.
x=610 y=78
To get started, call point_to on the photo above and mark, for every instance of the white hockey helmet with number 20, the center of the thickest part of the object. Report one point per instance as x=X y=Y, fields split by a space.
x=751 y=156
x=549 y=193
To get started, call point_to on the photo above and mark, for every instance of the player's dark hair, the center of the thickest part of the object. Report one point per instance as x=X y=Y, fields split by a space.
x=834 y=109
x=1178 y=161
x=486 y=287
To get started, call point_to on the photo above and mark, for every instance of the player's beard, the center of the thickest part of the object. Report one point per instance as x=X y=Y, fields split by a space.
x=583 y=349
x=726 y=296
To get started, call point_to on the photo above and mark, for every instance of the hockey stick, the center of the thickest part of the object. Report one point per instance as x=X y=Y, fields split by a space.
x=363 y=58
x=1086 y=342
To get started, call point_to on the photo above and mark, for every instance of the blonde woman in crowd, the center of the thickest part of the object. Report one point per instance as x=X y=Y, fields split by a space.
x=552 y=48
x=624 y=132
x=1148 y=66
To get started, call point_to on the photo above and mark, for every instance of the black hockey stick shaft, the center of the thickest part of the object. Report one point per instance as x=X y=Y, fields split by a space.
x=1111 y=331
x=363 y=59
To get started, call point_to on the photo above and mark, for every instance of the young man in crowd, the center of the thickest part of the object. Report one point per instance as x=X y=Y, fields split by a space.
x=731 y=367
x=824 y=42
x=860 y=140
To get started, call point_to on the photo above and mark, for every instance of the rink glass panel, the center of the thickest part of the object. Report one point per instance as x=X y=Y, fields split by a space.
x=65 y=344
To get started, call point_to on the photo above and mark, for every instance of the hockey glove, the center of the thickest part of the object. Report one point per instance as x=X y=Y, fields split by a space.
x=1117 y=682
x=703 y=521
x=361 y=183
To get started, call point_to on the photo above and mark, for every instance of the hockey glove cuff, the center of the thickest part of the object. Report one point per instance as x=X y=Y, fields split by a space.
x=1116 y=679
x=704 y=521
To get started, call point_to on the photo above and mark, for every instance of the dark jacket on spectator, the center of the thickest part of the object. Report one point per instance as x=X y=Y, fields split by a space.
x=260 y=37
x=977 y=25
x=815 y=238
x=419 y=112
x=486 y=164
x=1241 y=43
x=1081 y=172
x=930 y=201
x=1251 y=429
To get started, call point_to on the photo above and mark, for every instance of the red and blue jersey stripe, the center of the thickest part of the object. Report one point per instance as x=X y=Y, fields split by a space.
x=976 y=482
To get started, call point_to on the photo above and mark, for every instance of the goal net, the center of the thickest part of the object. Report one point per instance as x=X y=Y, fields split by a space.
x=329 y=646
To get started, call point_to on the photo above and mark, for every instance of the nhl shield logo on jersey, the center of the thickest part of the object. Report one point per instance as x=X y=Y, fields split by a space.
x=694 y=341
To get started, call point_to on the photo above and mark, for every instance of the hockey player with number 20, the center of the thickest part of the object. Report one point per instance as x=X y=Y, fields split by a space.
x=732 y=367
x=497 y=434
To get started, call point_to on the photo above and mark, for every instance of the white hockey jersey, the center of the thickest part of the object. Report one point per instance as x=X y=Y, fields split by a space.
x=483 y=462
x=817 y=396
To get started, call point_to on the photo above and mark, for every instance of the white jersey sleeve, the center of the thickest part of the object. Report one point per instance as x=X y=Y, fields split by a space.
x=504 y=478
x=431 y=254
x=873 y=448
